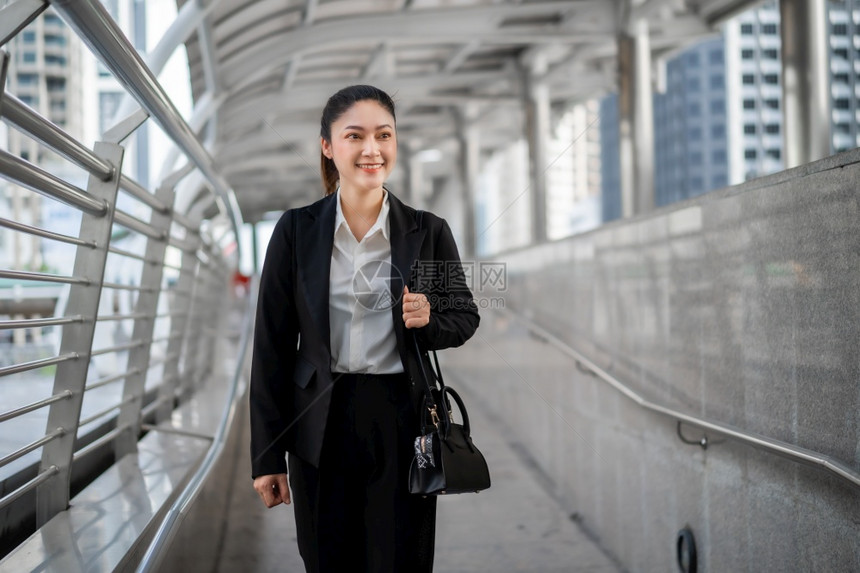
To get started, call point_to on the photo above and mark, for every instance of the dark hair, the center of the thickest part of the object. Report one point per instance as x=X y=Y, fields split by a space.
x=337 y=105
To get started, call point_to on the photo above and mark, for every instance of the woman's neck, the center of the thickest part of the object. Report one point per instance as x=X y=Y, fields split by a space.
x=360 y=209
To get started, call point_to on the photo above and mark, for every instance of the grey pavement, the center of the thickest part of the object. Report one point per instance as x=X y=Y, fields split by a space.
x=515 y=526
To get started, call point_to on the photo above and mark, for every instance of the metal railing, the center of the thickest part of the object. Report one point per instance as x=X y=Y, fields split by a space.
x=784 y=449
x=134 y=327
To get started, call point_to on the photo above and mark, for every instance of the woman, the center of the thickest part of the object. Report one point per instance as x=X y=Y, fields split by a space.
x=335 y=375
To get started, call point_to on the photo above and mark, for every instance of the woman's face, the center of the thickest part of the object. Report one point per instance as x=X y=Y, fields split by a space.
x=363 y=146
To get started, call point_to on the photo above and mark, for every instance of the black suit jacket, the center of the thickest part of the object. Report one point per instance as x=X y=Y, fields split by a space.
x=291 y=380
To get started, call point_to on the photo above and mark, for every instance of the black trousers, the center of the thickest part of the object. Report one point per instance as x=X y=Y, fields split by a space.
x=355 y=513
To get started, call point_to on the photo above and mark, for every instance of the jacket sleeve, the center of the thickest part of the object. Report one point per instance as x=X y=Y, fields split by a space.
x=453 y=312
x=274 y=356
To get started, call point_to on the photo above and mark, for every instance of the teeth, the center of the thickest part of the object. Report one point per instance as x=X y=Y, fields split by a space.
x=369 y=165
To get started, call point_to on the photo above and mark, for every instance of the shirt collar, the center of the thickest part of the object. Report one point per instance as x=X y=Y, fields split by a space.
x=381 y=222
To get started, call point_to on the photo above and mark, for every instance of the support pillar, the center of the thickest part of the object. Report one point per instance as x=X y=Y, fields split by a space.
x=636 y=120
x=537 y=135
x=805 y=81
x=470 y=152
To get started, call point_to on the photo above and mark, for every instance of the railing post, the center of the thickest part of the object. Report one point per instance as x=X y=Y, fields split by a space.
x=129 y=419
x=53 y=495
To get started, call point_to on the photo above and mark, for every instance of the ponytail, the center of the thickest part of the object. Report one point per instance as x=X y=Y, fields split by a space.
x=329 y=174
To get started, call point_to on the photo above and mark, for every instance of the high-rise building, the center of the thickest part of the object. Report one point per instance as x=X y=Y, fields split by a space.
x=45 y=74
x=844 y=38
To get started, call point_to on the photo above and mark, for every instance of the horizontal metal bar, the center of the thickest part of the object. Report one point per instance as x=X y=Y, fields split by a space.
x=110 y=317
x=49 y=472
x=118 y=348
x=139 y=192
x=174 y=267
x=25 y=366
x=65 y=394
x=39 y=322
x=31 y=446
x=28 y=175
x=181 y=244
x=172 y=315
x=16 y=226
x=130 y=255
x=42 y=277
x=177 y=292
x=97 y=443
x=134 y=224
x=153 y=406
x=105 y=412
x=780 y=448
x=21 y=116
x=111 y=379
x=118 y=286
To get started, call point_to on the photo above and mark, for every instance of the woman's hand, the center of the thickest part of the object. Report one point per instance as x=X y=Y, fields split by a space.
x=416 y=309
x=273 y=488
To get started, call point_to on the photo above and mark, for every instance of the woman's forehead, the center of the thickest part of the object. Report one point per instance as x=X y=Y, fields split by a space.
x=368 y=114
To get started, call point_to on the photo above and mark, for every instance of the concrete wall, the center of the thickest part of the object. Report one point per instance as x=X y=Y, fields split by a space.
x=742 y=306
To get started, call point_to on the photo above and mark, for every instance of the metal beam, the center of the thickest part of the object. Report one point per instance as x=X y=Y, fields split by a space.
x=805 y=81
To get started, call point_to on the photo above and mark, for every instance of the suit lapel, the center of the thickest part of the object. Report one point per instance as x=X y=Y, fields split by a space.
x=315 y=238
x=406 y=241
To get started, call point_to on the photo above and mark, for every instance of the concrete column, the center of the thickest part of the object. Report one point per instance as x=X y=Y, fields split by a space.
x=635 y=120
x=537 y=134
x=470 y=152
x=805 y=80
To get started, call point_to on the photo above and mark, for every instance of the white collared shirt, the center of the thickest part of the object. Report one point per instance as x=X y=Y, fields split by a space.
x=360 y=316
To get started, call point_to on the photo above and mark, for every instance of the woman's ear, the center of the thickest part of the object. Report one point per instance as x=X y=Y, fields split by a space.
x=326 y=147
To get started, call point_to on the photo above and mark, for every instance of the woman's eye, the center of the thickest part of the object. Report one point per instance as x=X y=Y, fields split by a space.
x=352 y=136
x=385 y=135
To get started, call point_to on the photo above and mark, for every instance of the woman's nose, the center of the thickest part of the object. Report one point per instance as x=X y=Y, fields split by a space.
x=371 y=146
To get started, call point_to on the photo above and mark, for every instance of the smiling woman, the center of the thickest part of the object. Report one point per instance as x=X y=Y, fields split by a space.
x=333 y=378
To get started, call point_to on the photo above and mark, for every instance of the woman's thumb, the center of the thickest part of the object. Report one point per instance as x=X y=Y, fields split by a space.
x=405 y=289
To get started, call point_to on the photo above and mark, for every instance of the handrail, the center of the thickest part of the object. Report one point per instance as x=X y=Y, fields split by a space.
x=771 y=445
x=160 y=541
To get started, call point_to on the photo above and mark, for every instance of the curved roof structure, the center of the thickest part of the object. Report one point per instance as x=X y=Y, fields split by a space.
x=262 y=70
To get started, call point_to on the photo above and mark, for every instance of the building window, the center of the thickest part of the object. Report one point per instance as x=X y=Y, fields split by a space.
x=747 y=29
x=772 y=128
x=29 y=57
x=27 y=79
x=55 y=40
x=719 y=181
x=29 y=37
x=842 y=128
x=719 y=156
x=31 y=101
x=696 y=183
x=750 y=154
x=694 y=110
x=716 y=56
x=840 y=78
x=693 y=84
x=771 y=79
x=748 y=79
x=695 y=134
x=693 y=59
x=773 y=153
x=695 y=158
x=718 y=131
x=770 y=54
x=56 y=84
x=749 y=104
x=52 y=19
x=718 y=106
x=749 y=129
x=55 y=60
x=747 y=54
x=842 y=103
x=771 y=103
x=769 y=29
x=841 y=53
x=717 y=81
x=840 y=29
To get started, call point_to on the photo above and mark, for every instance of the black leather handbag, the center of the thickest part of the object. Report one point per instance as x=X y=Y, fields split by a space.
x=446 y=460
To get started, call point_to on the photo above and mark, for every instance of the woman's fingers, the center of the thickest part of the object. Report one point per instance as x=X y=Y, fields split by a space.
x=273 y=489
x=416 y=309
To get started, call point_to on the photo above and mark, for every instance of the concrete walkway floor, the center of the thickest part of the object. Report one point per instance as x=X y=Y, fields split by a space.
x=515 y=526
